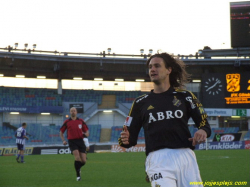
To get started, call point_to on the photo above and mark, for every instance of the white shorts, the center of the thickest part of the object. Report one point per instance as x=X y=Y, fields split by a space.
x=173 y=168
x=86 y=142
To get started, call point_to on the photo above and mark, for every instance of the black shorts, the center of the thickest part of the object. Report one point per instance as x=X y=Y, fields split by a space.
x=77 y=144
x=20 y=146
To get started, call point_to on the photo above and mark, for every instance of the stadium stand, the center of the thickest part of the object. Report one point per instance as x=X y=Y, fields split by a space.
x=40 y=134
x=82 y=96
x=29 y=97
x=94 y=133
x=50 y=97
x=7 y=136
x=115 y=134
x=247 y=136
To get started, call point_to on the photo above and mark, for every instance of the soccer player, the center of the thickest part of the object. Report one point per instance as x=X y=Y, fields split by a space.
x=164 y=114
x=76 y=130
x=20 y=135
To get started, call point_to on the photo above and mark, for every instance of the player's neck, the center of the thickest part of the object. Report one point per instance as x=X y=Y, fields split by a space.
x=73 y=118
x=163 y=87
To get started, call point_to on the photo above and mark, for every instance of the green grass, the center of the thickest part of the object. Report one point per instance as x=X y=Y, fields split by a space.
x=114 y=169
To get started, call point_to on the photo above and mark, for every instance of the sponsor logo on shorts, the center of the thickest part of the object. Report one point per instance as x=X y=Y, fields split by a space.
x=156 y=176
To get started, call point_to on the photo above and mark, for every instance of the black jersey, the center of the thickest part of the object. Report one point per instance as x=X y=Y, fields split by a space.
x=164 y=118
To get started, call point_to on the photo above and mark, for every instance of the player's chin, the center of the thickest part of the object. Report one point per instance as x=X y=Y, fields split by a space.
x=156 y=81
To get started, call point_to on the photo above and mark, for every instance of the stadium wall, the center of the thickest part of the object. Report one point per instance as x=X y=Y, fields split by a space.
x=107 y=120
x=33 y=119
x=10 y=151
x=88 y=108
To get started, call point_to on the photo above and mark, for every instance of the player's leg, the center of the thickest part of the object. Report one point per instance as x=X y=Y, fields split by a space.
x=21 y=147
x=189 y=172
x=22 y=155
x=18 y=154
x=80 y=160
x=82 y=153
x=161 y=169
x=77 y=164
x=77 y=160
x=83 y=157
x=77 y=148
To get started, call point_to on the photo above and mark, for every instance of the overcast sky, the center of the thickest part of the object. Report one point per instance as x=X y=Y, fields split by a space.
x=126 y=26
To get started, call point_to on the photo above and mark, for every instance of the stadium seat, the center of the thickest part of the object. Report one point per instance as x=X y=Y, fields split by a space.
x=115 y=133
x=247 y=136
x=94 y=133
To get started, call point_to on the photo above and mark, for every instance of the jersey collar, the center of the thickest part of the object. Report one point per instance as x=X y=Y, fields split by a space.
x=76 y=118
x=169 y=91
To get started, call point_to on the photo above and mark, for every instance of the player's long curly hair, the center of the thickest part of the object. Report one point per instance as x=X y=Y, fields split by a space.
x=178 y=77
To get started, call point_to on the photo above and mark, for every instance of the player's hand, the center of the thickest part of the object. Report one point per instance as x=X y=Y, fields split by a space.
x=199 y=137
x=27 y=138
x=125 y=135
x=64 y=142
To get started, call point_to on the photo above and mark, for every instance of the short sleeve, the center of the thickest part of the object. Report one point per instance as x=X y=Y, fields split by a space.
x=64 y=127
x=84 y=126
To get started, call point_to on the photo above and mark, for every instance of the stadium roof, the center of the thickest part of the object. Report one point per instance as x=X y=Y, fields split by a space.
x=66 y=65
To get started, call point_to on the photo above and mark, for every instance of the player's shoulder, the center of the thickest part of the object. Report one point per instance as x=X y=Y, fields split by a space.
x=186 y=93
x=66 y=121
x=140 y=98
x=80 y=119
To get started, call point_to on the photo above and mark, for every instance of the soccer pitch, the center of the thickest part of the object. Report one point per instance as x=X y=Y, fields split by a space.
x=114 y=169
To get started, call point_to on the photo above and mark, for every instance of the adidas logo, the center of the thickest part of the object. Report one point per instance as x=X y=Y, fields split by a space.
x=150 y=107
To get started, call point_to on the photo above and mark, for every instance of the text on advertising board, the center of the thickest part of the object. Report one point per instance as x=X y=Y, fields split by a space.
x=233 y=85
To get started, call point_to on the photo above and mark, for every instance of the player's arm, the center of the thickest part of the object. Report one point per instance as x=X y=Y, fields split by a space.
x=86 y=134
x=62 y=130
x=85 y=129
x=131 y=128
x=199 y=116
x=26 y=137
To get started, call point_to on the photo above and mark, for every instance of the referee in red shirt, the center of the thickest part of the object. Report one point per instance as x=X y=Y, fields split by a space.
x=77 y=129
